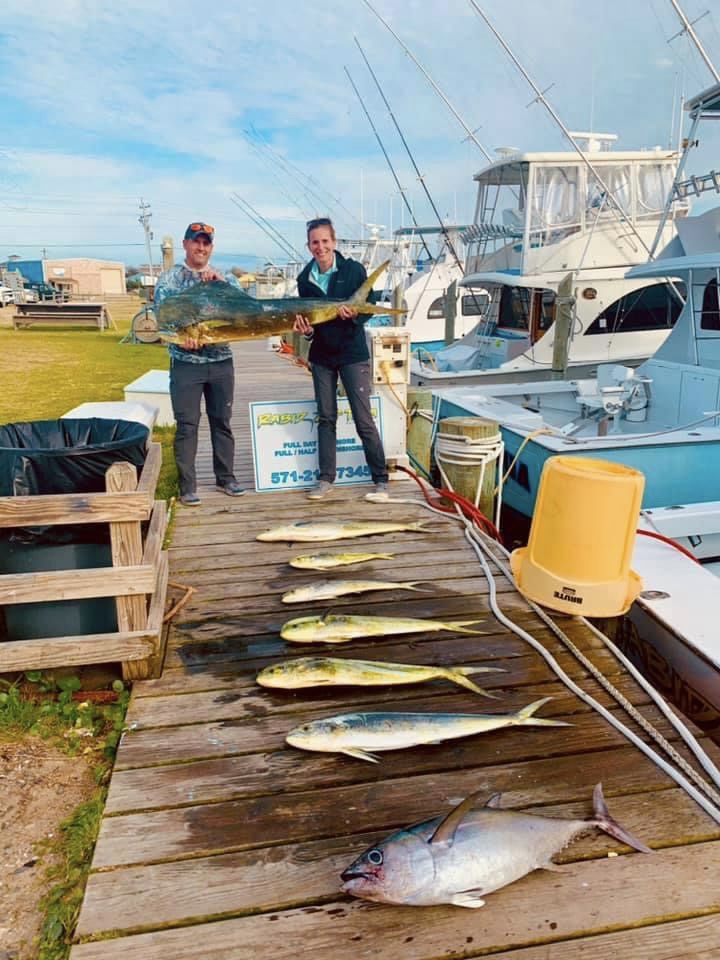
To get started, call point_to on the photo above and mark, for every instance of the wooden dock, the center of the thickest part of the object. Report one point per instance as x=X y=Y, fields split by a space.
x=219 y=842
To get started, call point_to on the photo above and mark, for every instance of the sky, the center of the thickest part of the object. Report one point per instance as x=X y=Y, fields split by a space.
x=198 y=111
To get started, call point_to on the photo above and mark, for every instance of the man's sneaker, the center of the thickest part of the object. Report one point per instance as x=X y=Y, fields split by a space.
x=232 y=488
x=190 y=499
x=320 y=491
x=380 y=494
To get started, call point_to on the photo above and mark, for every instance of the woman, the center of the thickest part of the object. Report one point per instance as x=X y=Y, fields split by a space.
x=339 y=349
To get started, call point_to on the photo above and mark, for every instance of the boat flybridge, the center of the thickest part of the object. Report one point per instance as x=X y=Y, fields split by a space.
x=553 y=237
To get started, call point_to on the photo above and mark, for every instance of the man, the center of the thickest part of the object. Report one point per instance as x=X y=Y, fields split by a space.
x=339 y=349
x=197 y=371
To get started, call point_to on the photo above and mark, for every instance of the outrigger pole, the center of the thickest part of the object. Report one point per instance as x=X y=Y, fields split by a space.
x=387 y=158
x=420 y=177
x=267 y=228
x=696 y=113
x=436 y=88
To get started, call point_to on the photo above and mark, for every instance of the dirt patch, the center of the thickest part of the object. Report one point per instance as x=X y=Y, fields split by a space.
x=39 y=788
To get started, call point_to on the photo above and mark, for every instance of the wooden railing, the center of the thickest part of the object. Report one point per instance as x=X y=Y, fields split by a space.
x=137 y=578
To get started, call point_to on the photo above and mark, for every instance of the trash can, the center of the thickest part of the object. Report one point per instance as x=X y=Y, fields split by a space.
x=55 y=457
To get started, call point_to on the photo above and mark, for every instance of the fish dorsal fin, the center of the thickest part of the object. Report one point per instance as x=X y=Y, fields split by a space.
x=445 y=831
x=361 y=295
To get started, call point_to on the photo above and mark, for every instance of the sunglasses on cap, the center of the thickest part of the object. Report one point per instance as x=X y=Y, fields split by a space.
x=318 y=222
x=195 y=228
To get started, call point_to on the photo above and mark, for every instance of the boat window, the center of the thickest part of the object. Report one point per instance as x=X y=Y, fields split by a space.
x=436 y=309
x=554 y=203
x=654 y=183
x=656 y=307
x=710 y=316
x=618 y=180
x=475 y=304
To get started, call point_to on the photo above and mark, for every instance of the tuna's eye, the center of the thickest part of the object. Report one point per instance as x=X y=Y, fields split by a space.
x=375 y=857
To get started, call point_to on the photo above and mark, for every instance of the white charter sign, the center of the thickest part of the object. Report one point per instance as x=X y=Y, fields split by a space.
x=284 y=443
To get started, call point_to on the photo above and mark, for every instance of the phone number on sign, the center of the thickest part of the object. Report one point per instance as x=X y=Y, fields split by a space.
x=309 y=476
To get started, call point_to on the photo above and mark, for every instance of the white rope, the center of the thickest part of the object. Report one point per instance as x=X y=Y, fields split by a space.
x=451 y=448
x=480 y=548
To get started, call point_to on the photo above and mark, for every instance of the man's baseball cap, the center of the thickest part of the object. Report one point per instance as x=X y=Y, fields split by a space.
x=197 y=228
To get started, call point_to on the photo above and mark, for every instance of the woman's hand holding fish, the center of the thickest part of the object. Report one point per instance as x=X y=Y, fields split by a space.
x=302 y=325
x=347 y=313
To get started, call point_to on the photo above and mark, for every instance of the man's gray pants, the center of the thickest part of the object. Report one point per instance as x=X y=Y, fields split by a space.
x=188 y=383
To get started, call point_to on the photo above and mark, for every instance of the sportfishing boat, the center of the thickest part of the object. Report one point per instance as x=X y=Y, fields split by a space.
x=546 y=266
x=662 y=418
x=427 y=282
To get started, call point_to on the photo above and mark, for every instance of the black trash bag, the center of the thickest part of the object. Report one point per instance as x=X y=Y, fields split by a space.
x=66 y=456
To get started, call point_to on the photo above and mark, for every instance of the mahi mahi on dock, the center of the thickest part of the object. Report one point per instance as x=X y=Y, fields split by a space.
x=218 y=312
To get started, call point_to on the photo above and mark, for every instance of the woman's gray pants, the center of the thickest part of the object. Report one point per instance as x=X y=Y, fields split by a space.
x=355 y=379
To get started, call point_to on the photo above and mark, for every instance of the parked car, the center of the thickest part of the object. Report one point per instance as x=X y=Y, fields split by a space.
x=27 y=295
x=6 y=296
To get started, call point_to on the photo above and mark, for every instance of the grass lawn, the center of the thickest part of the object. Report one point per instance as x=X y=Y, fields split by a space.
x=49 y=370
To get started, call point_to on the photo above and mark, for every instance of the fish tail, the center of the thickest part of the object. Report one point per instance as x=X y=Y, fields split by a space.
x=424 y=525
x=360 y=296
x=603 y=819
x=525 y=716
x=462 y=626
x=458 y=677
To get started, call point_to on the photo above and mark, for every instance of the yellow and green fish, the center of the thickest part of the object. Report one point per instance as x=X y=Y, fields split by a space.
x=335 y=671
x=217 y=312
x=326 y=561
x=329 y=589
x=332 y=628
x=308 y=531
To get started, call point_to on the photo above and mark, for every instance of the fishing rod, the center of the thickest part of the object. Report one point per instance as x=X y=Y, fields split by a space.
x=309 y=183
x=305 y=213
x=470 y=133
x=313 y=198
x=401 y=189
x=267 y=228
x=421 y=179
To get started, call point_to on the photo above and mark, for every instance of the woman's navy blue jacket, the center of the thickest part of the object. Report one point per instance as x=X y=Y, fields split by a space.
x=337 y=342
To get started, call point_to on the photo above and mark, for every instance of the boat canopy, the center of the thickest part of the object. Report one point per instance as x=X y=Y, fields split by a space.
x=675 y=266
x=533 y=281
x=705 y=104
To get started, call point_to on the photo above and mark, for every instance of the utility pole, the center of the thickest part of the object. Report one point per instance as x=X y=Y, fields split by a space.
x=144 y=219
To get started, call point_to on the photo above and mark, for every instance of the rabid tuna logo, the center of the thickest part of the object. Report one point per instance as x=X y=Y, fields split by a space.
x=568 y=594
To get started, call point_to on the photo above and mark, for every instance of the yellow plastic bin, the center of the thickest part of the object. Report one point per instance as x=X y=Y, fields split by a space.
x=582 y=535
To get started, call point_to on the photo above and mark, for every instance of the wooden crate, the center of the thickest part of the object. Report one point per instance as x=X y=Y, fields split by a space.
x=137 y=578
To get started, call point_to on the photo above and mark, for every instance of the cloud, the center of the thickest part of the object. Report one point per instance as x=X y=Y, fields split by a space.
x=130 y=101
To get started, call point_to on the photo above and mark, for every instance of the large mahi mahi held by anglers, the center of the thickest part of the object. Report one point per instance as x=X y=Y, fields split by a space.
x=218 y=312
